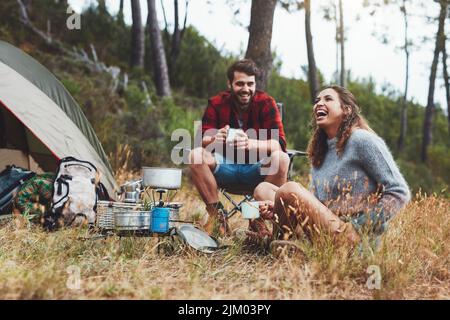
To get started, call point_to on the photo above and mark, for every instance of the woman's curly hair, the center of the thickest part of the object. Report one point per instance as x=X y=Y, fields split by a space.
x=318 y=146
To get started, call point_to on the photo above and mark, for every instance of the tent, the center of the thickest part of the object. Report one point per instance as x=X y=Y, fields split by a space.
x=40 y=122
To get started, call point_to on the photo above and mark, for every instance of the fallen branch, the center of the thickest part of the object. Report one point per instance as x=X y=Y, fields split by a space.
x=80 y=55
x=26 y=20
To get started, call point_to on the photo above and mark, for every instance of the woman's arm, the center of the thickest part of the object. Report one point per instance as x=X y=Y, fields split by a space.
x=379 y=164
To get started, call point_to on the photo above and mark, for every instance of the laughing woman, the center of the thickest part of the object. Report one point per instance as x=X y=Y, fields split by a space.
x=356 y=186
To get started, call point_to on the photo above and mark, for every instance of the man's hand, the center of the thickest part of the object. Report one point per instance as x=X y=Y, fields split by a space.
x=221 y=135
x=266 y=209
x=242 y=141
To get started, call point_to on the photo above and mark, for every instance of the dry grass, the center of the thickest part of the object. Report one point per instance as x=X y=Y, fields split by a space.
x=414 y=260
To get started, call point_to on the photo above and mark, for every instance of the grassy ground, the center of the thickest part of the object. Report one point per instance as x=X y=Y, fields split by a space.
x=413 y=263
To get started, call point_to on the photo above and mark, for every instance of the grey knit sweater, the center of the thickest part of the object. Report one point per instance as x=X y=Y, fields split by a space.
x=364 y=178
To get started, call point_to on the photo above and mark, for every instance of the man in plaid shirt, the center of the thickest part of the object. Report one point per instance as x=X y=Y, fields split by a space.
x=243 y=142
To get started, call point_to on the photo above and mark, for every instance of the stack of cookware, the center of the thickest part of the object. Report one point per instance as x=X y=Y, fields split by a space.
x=163 y=181
x=141 y=212
x=134 y=213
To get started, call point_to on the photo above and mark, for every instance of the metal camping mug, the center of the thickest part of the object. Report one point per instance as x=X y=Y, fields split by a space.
x=250 y=210
x=232 y=133
x=160 y=220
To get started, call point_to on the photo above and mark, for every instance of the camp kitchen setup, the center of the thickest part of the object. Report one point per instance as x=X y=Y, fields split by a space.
x=145 y=209
x=144 y=205
x=43 y=130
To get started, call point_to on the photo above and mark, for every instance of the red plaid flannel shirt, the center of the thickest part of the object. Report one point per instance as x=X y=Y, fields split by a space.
x=262 y=113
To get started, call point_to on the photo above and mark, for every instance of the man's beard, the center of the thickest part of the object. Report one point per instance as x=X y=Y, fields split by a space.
x=238 y=99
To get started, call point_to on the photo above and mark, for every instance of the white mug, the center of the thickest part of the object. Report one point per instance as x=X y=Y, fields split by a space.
x=231 y=135
x=250 y=210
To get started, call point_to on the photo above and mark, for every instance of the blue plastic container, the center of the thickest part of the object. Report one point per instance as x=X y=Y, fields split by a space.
x=160 y=220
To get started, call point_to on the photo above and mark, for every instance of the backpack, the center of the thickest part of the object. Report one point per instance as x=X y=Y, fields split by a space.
x=75 y=193
x=11 y=179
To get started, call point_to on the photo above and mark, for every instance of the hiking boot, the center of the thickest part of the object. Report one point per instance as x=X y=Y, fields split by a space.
x=285 y=248
x=217 y=222
x=222 y=226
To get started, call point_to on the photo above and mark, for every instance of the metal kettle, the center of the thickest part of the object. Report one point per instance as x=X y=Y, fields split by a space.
x=131 y=191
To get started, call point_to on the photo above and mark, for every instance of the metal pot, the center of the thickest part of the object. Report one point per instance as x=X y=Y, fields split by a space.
x=174 y=213
x=132 y=197
x=161 y=178
x=134 y=185
x=130 y=192
x=132 y=220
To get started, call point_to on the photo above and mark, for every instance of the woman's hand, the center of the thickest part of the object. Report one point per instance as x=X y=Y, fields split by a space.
x=266 y=209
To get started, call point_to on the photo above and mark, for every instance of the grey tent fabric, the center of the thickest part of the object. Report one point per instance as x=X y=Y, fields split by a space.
x=42 y=78
x=42 y=104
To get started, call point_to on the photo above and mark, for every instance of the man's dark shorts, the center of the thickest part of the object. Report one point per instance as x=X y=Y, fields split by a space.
x=229 y=173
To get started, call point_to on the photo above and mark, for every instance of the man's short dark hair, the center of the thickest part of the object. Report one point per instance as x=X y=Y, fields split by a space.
x=246 y=66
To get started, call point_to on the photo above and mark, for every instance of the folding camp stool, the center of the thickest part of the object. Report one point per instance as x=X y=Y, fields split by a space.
x=241 y=190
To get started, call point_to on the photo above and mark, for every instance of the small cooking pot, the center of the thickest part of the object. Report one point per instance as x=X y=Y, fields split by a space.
x=131 y=191
x=134 y=185
x=161 y=178
x=132 y=220
x=132 y=197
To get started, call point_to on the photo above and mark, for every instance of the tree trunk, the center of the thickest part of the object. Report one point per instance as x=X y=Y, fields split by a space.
x=101 y=5
x=430 y=109
x=137 y=36
x=166 y=24
x=312 y=69
x=177 y=37
x=260 y=37
x=404 y=113
x=159 y=56
x=342 y=39
x=336 y=22
x=120 y=14
x=446 y=81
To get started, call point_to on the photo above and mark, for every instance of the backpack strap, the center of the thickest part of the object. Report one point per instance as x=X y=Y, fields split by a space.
x=69 y=159
x=102 y=192
x=60 y=181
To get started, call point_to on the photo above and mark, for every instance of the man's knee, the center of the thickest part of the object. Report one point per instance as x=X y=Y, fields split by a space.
x=283 y=160
x=278 y=165
x=200 y=156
